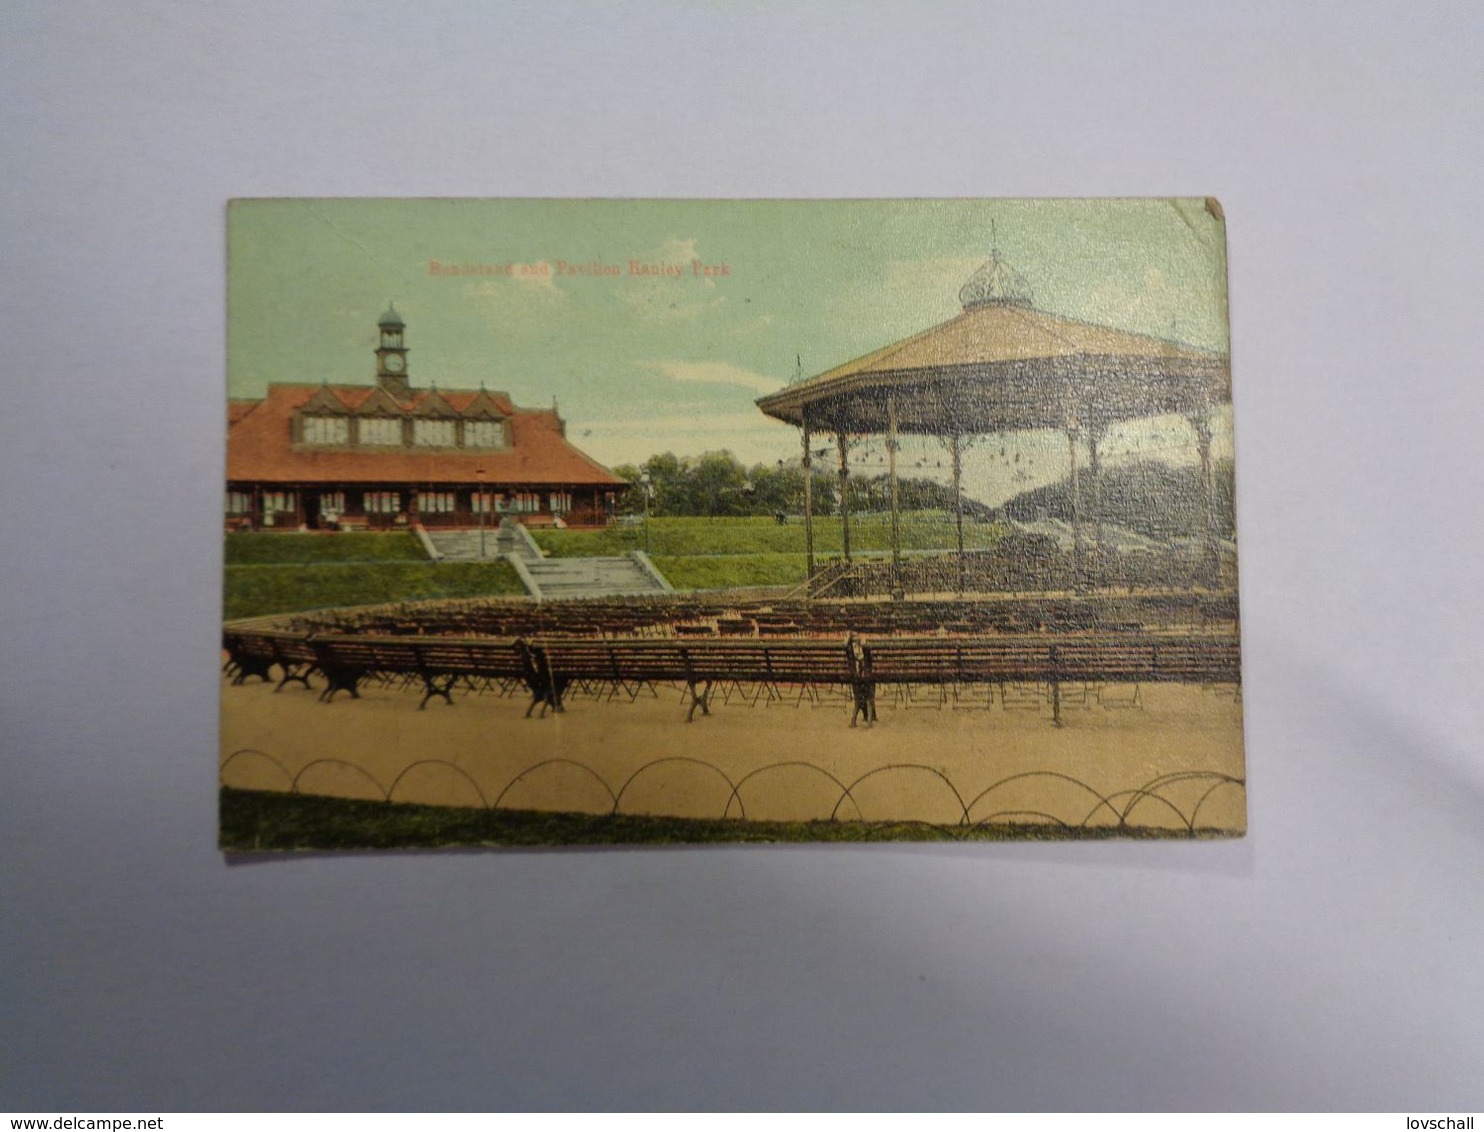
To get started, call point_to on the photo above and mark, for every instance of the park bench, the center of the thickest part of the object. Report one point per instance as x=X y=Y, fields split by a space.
x=348 y=660
x=254 y=652
x=699 y=664
x=950 y=661
x=438 y=662
x=296 y=657
x=1053 y=660
x=625 y=665
x=497 y=664
x=248 y=654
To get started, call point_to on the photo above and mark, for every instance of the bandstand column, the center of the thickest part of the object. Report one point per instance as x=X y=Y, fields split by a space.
x=1095 y=433
x=844 y=503
x=891 y=470
x=808 y=502
x=958 y=504
x=1073 y=432
x=1211 y=564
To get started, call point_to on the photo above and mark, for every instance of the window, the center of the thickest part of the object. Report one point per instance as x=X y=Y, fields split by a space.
x=561 y=502
x=435 y=502
x=383 y=502
x=484 y=434
x=332 y=503
x=525 y=501
x=485 y=503
x=380 y=430
x=432 y=434
x=239 y=503
x=326 y=430
x=280 y=501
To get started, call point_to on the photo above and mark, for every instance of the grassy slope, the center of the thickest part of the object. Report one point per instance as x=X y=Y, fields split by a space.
x=260 y=820
x=252 y=591
x=699 y=572
x=707 y=554
x=281 y=549
x=286 y=573
x=923 y=530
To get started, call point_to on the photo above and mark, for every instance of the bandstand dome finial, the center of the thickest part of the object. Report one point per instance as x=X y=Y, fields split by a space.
x=995 y=282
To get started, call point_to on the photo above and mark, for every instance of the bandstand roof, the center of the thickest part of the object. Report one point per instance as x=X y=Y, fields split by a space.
x=1004 y=365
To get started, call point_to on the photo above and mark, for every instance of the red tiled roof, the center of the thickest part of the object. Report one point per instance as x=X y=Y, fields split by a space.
x=236 y=410
x=260 y=447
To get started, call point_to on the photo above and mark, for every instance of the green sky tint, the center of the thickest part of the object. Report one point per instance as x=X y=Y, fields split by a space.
x=642 y=363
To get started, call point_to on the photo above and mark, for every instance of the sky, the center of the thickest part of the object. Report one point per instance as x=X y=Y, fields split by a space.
x=655 y=325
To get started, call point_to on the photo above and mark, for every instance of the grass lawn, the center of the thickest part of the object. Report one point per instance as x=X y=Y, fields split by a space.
x=289 y=573
x=718 y=572
x=254 y=820
x=256 y=549
x=710 y=554
x=292 y=572
x=681 y=537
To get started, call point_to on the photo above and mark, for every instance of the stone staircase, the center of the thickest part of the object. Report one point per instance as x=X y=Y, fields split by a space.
x=495 y=542
x=552 y=578
x=593 y=577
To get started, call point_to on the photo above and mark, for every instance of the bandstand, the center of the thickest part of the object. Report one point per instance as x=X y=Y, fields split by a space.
x=1003 y=365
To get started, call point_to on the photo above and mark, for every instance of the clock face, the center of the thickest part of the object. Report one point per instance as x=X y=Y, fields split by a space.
x=394 y=363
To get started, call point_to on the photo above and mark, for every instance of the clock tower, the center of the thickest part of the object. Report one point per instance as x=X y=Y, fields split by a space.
x=391 y=355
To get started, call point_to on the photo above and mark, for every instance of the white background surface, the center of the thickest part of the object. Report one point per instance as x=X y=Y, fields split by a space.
x=1330 y=960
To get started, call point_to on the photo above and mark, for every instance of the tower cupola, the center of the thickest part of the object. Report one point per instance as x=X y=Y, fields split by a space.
x=996 y=283
x=391 y=354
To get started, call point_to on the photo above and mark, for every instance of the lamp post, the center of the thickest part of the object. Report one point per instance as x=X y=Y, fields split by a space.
x=647 y=484
x=479 y=504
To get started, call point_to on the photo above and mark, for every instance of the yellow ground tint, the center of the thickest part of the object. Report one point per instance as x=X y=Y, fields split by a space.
x=924 y=760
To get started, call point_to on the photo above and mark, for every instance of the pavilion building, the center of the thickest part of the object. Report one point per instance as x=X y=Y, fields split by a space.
x=386 y=456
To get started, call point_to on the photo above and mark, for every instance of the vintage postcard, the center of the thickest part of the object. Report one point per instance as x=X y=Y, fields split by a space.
x=587 y=521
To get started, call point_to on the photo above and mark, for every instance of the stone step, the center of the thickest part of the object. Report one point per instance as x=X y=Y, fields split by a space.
x=464 y=546
x=552 y=577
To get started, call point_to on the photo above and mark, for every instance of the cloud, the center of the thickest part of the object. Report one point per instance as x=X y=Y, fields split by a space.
x=679 y=296
x=514 y=303
x=716 y=373
x=505 y=288
x=752 y=326
x=673 y=250
x=539 y=282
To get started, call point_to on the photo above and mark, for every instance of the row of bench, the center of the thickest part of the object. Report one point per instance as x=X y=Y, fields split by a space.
x=689 y=617
x=547 y=667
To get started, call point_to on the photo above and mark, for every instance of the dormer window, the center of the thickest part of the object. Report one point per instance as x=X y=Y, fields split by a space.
x=380 y=430
x=433 y=433
x=484 y=434
x=326 y=430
